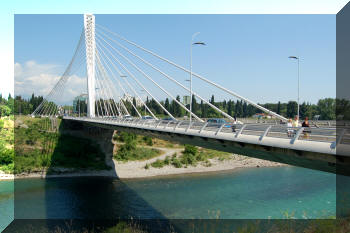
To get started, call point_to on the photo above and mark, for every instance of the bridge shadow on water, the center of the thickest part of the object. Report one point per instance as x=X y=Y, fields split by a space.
x=88 y=203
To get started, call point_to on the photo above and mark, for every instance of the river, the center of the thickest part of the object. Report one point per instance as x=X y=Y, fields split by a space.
x=250 y=193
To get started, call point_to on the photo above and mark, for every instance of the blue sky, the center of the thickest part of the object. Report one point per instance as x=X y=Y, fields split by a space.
x=10 y=8
x=245 y=53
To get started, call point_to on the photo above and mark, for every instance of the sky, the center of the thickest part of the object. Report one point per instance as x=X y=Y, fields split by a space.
x=248 y=54
x=245 y=53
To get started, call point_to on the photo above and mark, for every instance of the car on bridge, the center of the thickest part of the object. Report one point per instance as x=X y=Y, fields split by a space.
x=148 y=118
x=218 y=122
x=128 y=117
x=168 y=119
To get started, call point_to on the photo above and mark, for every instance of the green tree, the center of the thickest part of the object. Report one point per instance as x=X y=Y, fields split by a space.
x=245 y=109
x=204 y=110
x=343 y=109
x=292 y=109
x=212 y=100
x=133 y=111
x=167 y=104
x=239 y=109
x=278 y=107
x=177 y=110
x=229 y=108
x=326 y=109
x=251 y=110
x=305 y=111
x=224 y=105
x=195 y=107
x=4 y=110
x=11 y=104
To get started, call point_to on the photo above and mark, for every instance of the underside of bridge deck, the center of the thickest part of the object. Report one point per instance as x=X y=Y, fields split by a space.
x=312 y=160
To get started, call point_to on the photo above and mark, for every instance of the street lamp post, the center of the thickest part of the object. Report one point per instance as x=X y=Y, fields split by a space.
x=126 y=98
x=297 y=58
x=186 y=80
x=143 y=91
x=196 y=43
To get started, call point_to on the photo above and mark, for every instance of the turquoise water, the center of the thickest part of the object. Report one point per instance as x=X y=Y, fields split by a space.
x=245 y=194
x=6 y=203
x=254 y=193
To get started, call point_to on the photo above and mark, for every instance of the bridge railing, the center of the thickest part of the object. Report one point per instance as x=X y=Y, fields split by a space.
x=325 y=134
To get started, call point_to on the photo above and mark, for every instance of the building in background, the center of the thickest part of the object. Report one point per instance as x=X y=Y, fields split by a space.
x=129 y=98
x=83 y=98
x=186 y=100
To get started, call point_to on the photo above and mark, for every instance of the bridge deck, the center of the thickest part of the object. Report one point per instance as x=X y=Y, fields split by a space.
x=321 y=140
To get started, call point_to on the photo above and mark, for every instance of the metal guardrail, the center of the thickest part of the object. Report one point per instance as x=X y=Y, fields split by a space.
x=262 y=131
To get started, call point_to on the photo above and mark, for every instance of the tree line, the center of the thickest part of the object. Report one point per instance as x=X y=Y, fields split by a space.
x=18 y=105
x=325 y=109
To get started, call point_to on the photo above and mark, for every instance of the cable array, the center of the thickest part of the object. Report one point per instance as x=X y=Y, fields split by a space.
x=118 y=83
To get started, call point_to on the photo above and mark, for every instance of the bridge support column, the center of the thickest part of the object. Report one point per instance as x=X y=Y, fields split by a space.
x=89 y=28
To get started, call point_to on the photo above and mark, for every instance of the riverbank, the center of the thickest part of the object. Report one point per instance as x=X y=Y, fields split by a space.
x=136 y=169
x=4 y=176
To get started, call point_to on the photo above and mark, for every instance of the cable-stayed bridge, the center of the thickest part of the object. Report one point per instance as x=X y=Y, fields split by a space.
x=114 y=80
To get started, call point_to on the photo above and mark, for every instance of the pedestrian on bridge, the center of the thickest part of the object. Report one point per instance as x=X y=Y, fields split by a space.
x=290 y=130
x=296 y=122
x=306 y=127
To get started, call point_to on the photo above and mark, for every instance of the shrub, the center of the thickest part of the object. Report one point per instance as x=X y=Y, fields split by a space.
x=127 y=137
x=6 y=156
x=123 y=227
x=189 y=156
x=188 y=159
x=30 y=142
x=45 y=160
x=167 y=160
x=157 y=164
x=147 y=166
x=124 y=152
x=173 y=156
x=7 y=168
x=148 y=140
x=207 y=163
x=127 y=152
x=200 y=156
x=189 y=149
x=176 y=163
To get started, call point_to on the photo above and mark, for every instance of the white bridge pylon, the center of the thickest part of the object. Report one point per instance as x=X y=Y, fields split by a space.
x=106 y=66
x=90 y=46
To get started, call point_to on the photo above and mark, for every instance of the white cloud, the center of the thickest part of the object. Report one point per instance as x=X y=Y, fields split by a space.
x=40 y=79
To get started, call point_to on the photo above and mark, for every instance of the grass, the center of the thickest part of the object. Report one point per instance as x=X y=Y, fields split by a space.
x=211 y=154
x=39 y=147
x=6 y=145
x=138 y=153
x=192 y=156
x=174 y=161
x=158 y=164
x=207 y=226
x=146 y=140
x=130 y=151
x=123 y=227
x=6 y=132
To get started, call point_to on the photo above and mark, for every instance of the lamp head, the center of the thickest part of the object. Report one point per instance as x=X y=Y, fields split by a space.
x=199 y=43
